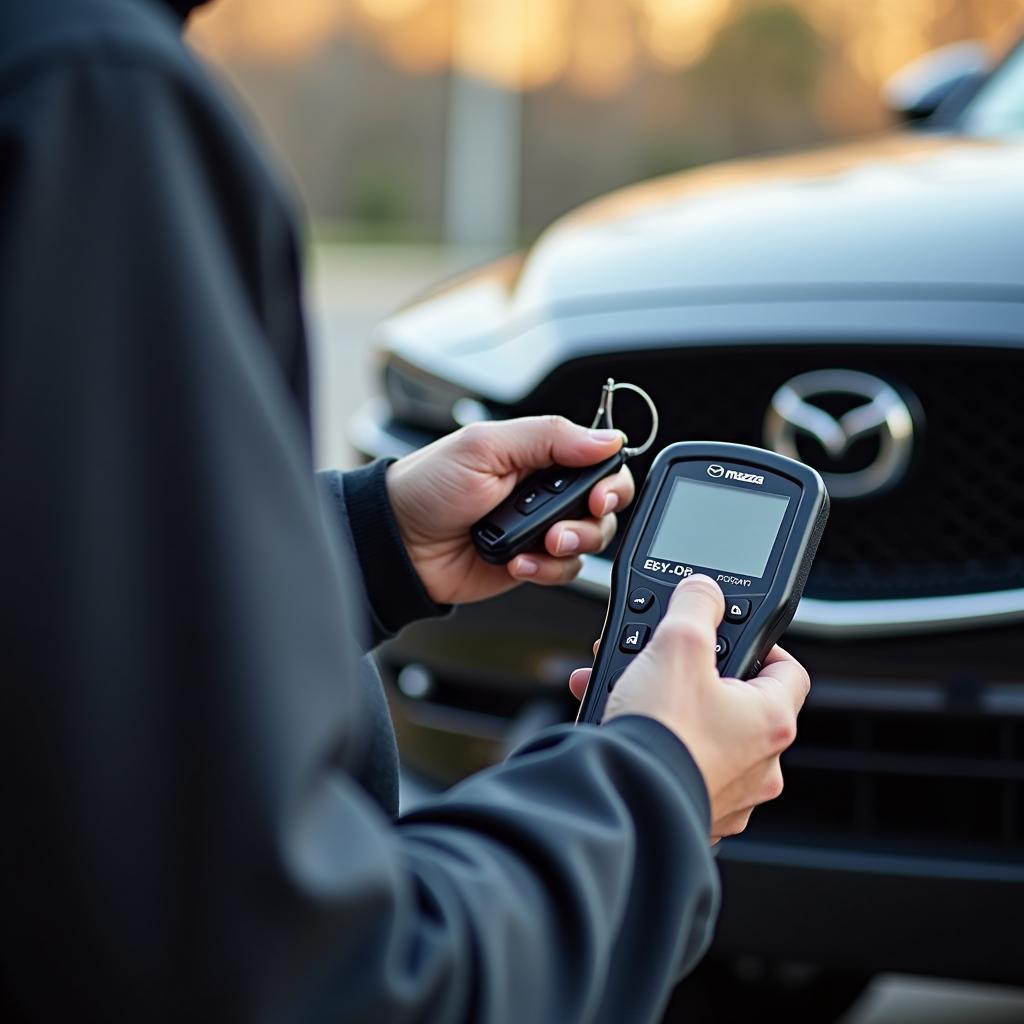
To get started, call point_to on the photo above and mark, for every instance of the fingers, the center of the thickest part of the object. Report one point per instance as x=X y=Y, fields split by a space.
x=578 y=681
x=585 y=536
x=691 y=622
x=761 y=785
x=533 y=442
x=731 y=825
x=784 y=673
x=579 y=536
x=612 y=493
x=777 y=653
x=544 y=569
x=700 y=597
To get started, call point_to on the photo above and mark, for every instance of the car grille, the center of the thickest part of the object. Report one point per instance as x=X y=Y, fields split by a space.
x=931 y=784
x=888 y=765
x=955 y=524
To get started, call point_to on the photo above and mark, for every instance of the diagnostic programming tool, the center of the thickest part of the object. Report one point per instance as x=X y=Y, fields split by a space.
x=748 y=518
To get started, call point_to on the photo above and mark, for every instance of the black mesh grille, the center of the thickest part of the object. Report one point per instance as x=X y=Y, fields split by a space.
x=934 y=783
x=956 y=522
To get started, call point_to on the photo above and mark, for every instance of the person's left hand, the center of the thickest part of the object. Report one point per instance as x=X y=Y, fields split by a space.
x=440 y=491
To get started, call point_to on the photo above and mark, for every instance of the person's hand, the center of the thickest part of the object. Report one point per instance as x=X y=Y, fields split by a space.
x=439 y=491
x=734 y=730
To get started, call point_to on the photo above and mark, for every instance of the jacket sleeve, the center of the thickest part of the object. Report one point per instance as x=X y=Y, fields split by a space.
x=183 y=836
x=361 y=512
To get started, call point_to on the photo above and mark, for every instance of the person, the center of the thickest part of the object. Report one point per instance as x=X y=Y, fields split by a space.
x=199 y=772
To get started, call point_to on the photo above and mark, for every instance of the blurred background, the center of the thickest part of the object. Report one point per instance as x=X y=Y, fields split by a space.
x=370 y=104
x=422 y=136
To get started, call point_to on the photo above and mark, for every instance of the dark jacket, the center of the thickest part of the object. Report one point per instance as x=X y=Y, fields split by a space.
x=194 y=786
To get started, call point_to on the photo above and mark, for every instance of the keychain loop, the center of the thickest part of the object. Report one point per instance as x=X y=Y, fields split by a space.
x=604 y=409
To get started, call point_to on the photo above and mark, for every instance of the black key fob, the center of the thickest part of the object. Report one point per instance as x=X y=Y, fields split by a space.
x=520 y=522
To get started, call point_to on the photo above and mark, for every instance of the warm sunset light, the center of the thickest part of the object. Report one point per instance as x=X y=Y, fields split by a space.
x=679 y=31
x=392 y=10
x=268 y=30
x=595 y=45
x=604 y=50
x=521 y=43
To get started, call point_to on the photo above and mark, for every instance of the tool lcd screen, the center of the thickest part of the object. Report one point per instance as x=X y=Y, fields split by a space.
x=719 y=526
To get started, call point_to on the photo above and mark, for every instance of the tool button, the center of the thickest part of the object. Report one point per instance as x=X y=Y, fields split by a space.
x=531 y=499
x=737 y=609
x=721 y=648
x=634 y=636
x=641 y=599
x=556 y=481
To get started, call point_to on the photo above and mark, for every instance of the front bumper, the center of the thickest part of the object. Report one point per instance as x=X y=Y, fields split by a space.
x=871 y=911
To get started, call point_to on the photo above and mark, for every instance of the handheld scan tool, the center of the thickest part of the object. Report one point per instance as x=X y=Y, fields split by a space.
x=748 y=518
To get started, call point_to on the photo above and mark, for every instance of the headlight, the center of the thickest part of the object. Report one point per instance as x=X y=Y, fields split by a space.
x=420 y=400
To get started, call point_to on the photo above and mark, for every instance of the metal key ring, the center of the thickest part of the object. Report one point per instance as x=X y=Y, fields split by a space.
x=605 y=409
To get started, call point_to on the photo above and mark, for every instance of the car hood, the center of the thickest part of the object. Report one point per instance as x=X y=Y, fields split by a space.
x=901 y=210
x=916 y=235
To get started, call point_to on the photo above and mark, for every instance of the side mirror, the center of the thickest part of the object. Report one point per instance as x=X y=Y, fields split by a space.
x=949 y=75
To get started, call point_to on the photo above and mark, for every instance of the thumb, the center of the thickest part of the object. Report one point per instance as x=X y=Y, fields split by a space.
x=700 y=596
x=533 y=442
x=691 y=621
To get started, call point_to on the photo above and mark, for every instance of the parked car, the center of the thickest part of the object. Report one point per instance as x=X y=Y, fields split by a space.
x=861 y=307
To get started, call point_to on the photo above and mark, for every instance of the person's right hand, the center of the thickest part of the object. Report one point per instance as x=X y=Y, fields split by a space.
x=735 y=730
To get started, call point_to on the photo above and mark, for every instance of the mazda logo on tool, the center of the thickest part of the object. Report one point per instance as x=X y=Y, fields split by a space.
x=717 y=472
x=879 y=412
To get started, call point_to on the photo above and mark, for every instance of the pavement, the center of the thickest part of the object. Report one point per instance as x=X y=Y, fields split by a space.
x=351 y=288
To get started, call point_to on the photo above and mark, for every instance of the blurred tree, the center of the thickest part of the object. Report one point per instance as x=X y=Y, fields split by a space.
x=756 y=86
x=382 y=196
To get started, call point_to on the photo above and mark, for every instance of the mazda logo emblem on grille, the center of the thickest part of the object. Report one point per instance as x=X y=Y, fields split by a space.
x=880 y=411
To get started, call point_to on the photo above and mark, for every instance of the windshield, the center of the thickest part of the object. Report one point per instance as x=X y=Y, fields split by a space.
x=999 y=108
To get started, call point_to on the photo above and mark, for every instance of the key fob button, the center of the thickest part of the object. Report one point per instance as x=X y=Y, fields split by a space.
x=558 y=480
x=614 y=679
x=634 y=636
x=641 y=599
x=532 y=499
x=721 y=648
x=737 y=609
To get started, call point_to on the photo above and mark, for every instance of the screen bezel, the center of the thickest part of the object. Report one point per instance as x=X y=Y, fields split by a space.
x=697 y=470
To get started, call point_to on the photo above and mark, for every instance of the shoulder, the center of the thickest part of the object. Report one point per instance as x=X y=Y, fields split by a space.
x=124 y=68
x=38 y=36
x=130 y=53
